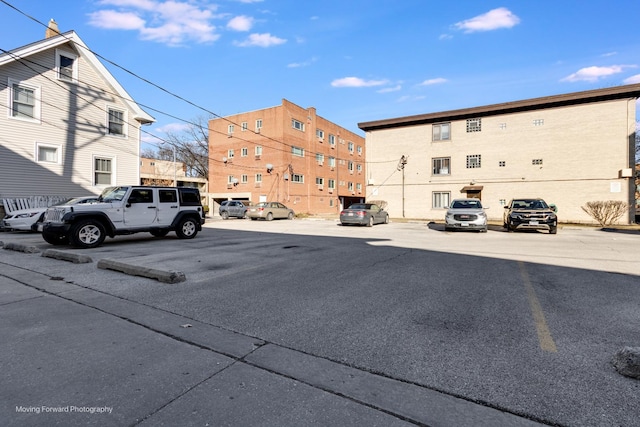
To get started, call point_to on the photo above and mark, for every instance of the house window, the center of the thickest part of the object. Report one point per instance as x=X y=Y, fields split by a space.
x=350 y=167
x=538 y=122
x=474 y=125
x=258 y=125
x=332 y=140
x=319 y=181
x=441 y=199
x=244 y=152
x=297 y=151
x=243 y=126
x=350 y=186
x=25 y=101
x=258 y=150
x=230 y=129
x=297 y=124
x=351 y=147
x=359 y=149
x=47 y=153
x=473 y=161
x=441 y=132
x=320 y=158
x=502 y=163
x=359 y=187
x=244 y=178
x=359 y=168
x=116 y=122
x=332 y=162
x=320 y=134
x=258 y=178
x=536 y=161
x=102 y=170
x=441 y=166
x=332 y=184
x=296 y=177
x=230 y=154
x=67 y=66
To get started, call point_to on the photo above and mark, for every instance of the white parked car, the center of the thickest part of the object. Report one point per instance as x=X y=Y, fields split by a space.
x=466 y=214
x=28 y=219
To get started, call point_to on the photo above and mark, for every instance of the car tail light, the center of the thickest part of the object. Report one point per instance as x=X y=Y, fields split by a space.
x=361 y=213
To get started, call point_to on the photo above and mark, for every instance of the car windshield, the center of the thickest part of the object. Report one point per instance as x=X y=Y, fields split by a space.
x=113 y=193
x=466 y=204
x=530 y=204
x=360 y=206
x=262 y=205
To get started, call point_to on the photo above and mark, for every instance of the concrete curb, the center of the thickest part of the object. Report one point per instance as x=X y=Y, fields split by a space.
x=66 y=256
x=20 y=248
x=627 y=362
x=137 y=270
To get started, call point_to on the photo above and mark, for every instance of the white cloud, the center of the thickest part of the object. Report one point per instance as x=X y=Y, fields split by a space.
x=390 y=89
x=171 y=22
x=113 y=20
x=492 y=20
x=240 y=23
x=261 y=40
x=302 y=64
x=632 y=80
x=435 y=81
x=592 y=74
x=173 y=128
x=356 y=82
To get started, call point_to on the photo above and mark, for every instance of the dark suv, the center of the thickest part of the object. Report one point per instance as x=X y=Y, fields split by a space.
x=530 y=214
x=233 y=208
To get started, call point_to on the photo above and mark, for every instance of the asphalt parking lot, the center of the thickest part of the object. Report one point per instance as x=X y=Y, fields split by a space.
x=524 y=324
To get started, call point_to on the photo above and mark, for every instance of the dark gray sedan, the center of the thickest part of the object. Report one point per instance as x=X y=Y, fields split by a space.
x=364 y=214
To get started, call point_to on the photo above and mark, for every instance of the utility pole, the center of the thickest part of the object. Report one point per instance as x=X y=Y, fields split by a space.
x=401 y=163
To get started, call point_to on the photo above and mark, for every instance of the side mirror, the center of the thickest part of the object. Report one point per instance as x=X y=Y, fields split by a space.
x=553 y=207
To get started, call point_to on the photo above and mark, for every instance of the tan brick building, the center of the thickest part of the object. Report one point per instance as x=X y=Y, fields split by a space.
x=288 y=154
x=568 y=149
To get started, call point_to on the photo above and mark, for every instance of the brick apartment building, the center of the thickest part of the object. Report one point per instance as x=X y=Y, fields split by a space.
x=287 y=154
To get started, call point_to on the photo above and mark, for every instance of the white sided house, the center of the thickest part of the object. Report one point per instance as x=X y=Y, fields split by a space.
x=68 y=128
x=567 y=149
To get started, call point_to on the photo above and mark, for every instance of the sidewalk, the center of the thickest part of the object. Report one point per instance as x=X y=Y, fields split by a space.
x=76 y=356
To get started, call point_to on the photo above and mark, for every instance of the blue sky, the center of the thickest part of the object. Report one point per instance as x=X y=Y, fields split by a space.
x=354 y=60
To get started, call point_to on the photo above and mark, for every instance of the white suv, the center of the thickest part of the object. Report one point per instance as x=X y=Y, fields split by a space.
x=126 y=210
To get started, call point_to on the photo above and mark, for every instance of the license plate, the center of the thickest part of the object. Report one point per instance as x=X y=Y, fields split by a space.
x=350 y=214
x=464 y=224
x=533 y=222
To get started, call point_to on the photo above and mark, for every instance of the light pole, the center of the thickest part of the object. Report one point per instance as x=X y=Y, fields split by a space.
x=401 y=163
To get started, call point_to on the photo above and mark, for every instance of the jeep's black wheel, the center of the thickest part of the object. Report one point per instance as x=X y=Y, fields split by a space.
x=225 y=215
x=187 y=228
x=159 y=233
x=87 y=233
x=55 y=239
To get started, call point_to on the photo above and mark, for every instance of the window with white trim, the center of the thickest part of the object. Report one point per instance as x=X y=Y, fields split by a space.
x=320 y=181
x=244 y=152
x=258 y=150
x=332 y=140
x=441 y=132
x=297 y=124
x=230 y=129
x=67 y=66
x=297 y=151
x=244 y=178
x=359 y=149
x=320 y=134
x=116 y=122
x=24 y=100
x=230 y=153
x=332 y=162
x=350 y=166
x=258 y=178
x=244 y=126
x=48 y=153
x=320 y=158
x=441 y=199
x=350 y=146
x=258 y=125
x=296 y=177
x=102 y=170
x=350 y=186
x=332 y=184
x=359 y=187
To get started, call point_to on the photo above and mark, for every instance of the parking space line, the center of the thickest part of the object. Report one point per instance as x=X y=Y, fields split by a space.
x=544 y=335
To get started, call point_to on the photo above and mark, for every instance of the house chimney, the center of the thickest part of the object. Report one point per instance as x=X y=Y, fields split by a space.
x=52 y=29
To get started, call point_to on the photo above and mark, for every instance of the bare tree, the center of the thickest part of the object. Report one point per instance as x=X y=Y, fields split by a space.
x=192 y=148
x=606 y=212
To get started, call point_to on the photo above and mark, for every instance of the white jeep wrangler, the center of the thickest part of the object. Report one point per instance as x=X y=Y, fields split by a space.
x=126 y=210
